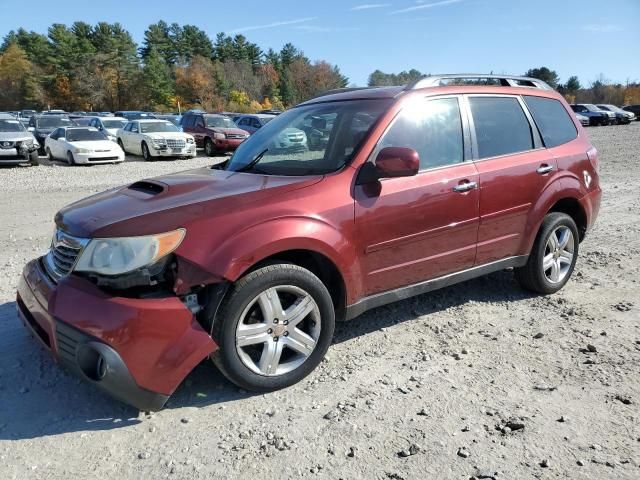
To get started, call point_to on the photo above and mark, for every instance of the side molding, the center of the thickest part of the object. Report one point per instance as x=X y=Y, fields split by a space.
x=402 y=293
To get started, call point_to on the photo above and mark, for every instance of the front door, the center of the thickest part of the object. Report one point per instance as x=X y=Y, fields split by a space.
x=416 y=228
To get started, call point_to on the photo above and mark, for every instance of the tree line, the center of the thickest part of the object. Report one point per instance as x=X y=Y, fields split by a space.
x=100 y=67
x=599 y=91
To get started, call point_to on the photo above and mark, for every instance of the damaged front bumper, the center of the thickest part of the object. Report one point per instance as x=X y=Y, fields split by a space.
x=138 y=350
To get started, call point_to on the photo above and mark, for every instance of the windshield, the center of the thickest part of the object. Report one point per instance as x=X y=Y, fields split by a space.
x=309 y=140
x=220 y=122
x=11 y=126
x=152 y=127
x=611 y=108
x=114 y=123
x=591 y=108
x=53 y=122
x=84 y=134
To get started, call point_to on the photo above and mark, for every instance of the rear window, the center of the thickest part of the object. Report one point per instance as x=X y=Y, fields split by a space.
x=501 y=126
x=553 y=121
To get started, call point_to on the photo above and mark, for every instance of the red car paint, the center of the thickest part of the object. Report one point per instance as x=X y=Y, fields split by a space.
x=398 y=232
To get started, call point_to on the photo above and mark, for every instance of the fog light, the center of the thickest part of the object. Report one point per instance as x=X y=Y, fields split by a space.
x=92 y=364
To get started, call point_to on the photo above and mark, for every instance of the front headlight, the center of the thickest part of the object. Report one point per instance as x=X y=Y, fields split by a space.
x=189 y=140
x=159 y=142
x=115 y=256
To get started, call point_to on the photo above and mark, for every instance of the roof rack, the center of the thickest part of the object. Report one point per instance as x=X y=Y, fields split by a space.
x=505 y=80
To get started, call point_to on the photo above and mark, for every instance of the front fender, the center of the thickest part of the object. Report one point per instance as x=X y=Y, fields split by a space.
x=240 y=252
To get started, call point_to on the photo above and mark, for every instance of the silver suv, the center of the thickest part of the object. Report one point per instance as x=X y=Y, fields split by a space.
x=17 y=144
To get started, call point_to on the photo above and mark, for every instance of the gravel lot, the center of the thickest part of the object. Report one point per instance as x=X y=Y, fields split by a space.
x=472 y=380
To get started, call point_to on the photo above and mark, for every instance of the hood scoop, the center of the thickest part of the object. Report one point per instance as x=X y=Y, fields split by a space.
x=148 y=187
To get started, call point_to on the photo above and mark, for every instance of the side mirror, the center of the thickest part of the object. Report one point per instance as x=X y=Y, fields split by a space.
x=391 y=162
x=397 y=162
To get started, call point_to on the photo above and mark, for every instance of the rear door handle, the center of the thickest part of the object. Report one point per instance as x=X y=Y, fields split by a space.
x=544 y=169
x=465 y=187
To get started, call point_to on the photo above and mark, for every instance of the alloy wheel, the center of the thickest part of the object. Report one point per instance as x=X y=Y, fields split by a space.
x=558 y=254
x=278 y=330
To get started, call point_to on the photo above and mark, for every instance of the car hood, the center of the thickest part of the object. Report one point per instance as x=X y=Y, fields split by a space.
x=94 y=144
x=15 y=136
x=165 y=203
x=229 y=131
x=172 y=135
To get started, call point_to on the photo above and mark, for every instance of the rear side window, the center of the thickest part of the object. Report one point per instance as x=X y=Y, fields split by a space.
x=433 y=128
x=501 y=126
x=552 y=120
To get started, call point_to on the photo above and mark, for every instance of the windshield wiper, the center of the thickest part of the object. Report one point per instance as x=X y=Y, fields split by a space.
x=253 y=162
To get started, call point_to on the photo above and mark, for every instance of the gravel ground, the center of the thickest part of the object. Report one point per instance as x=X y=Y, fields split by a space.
x=478 y=380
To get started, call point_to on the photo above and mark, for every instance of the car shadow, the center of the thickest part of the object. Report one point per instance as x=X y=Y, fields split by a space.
x=41 y=399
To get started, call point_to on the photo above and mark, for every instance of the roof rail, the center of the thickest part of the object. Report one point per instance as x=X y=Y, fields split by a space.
x=338 y=90
x=505 y=80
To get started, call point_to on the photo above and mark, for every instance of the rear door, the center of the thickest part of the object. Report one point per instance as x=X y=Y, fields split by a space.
x=514 y=169
x=417 y=228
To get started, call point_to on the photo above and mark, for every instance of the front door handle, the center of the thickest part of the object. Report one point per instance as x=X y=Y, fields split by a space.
x=544 y=168
x=465 y=187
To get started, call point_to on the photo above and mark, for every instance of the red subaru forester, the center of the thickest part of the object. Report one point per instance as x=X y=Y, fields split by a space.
x=251 y=262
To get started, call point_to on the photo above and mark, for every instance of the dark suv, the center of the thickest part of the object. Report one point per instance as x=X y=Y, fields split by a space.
x=215 y=133
x=252 y=262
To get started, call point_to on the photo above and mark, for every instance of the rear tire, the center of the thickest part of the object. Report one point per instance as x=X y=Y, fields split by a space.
x=553 y=256
x=284 y=317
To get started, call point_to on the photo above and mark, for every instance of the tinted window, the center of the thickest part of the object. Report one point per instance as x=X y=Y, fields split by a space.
x=501 y=126
x=552 y=120
x=432 y=128
x=53 y=121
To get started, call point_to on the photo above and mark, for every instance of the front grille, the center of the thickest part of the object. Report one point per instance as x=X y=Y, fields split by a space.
x=176 y=143
x=235 y=135
x=63 y=254
x=7 y=144
x=296 y=137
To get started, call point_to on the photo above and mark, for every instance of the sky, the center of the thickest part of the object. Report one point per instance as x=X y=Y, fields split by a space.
x=573 y=37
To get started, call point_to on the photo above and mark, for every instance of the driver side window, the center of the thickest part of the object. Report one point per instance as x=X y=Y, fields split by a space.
x=433 y=128
x=134 y=128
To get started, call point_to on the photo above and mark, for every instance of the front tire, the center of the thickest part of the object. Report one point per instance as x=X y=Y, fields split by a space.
x=273 y=328
x=34 y=160
x=553 y=256
x=122 y=146
x=146 y=154
x=70 y=159
x=209 y=150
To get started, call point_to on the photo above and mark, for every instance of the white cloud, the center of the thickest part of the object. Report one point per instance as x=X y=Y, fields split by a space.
x=369 y=6
x=602 y=28
x=423 y=6
x=272 y=25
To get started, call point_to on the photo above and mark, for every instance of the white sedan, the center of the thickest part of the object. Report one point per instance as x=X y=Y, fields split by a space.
x=155 y=138
x=82 y=145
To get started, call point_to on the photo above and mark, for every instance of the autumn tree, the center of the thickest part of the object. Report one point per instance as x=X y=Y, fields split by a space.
x=17 y=80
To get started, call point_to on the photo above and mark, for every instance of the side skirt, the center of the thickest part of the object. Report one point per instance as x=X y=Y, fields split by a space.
x=402 y=293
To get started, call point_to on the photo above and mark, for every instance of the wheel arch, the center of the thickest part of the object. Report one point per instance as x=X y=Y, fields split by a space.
x=572 y=207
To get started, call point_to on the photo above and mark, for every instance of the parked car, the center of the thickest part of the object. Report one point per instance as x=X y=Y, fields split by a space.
x=17 y=144
x=635 y=109
x=43 y=125
x=155 y=138
x=584 y=121
x=596 y=115
x=252 y=123
x=169 y=117
x=26 y=113
x=622 y=116
x=108 y=125
x=252 y=263
x=215 y=133
x=134 y=114
x=82 y=145
x=54 y=111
